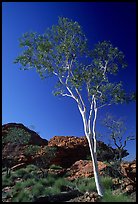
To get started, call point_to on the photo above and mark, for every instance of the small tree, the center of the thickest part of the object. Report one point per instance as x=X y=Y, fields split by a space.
x=117 y=131
x=14 y=137
x=43 y=156
x=62 y=51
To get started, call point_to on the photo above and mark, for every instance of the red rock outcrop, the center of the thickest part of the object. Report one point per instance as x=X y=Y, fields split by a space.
x=69 y=149
x=72 y=149
x=83 y=168
x=128 y=169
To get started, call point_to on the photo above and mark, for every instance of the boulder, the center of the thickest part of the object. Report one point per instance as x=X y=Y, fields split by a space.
x=128 y=169
x=83 y=168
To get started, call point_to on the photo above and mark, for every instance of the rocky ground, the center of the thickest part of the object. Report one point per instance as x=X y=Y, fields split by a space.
x=71 y=157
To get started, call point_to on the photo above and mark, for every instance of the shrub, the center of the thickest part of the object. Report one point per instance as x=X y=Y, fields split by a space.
x=6 y=181
x=109 y=197
x=22 y=196
x=38 y=189
x=17 y=136
x=52 y=190
x=85 y=184
x=31 y=167
x=53 y=166
x=14 y=176
x=31 y=150
x=50 y=180
x=29 y=182
x=21 y=172
x=19 y=186
x=60 y=182
x=107 y=182
x=27 y=176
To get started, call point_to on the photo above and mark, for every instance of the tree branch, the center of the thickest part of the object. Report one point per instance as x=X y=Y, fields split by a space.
x=90 y=115
x=94 y=123
x=83 y=105
x=106 y=104
x=127 y=139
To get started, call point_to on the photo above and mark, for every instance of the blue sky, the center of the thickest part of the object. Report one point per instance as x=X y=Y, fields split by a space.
x=29 y=100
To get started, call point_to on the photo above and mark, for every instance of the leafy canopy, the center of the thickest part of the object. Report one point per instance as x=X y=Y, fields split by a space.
x=63 y=51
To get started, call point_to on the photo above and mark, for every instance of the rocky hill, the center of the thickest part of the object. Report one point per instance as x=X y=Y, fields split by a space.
x=71 y=156
x=35 y=139
x=69 y=148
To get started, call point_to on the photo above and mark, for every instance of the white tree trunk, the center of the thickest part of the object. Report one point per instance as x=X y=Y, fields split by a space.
x=95 y=166
x=92 y=144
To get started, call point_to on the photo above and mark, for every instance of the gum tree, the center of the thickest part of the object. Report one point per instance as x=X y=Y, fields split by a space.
x=117 y=131
x=81 y=74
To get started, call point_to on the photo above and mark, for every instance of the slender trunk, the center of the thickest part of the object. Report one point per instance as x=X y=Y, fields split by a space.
x=92 y=145
x=95 y=166
x=94 y=124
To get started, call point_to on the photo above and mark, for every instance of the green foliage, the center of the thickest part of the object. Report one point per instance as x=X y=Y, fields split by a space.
x=107 y=182
x=60 y=182
x=85 y=184
x=38 y=189
x=110 y=197
x=6 y=181
x=21 y=172
x=63 y=51
x=16 y=136
x=53 y=166
x=31 y=150
x=22 y=196
x=43 y=161
x=31 y=167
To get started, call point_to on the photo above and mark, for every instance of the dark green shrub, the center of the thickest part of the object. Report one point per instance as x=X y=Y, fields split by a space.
x=53 y=166
x=22 y=196
x=17 y=136
x=21 y=172
x=107 y=182
x=6 y=181
x=109 y=197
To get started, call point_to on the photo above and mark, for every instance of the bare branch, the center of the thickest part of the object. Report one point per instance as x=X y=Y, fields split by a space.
x=106 y=104
x=66 y=95
x=127 y=139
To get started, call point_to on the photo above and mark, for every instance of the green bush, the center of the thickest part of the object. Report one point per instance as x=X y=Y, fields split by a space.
x=53 y=166
x=19 y=186
x=17 y=136
x=60 y=182
x=28 y=176
x=107 y=182
x=109 y=197
x=31 y=167
x=29 y=182
x=14 y=176
x=31 y=150
x=37 y=189
x=52 y=190
x=85 y=184
x=22 y=196
x=6 y=181
x=21 y=172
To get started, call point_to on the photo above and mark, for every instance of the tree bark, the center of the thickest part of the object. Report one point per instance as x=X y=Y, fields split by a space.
x=95 y=166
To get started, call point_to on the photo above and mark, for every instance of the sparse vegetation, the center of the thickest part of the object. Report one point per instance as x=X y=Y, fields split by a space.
x=25 y=187
x=110 y=197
